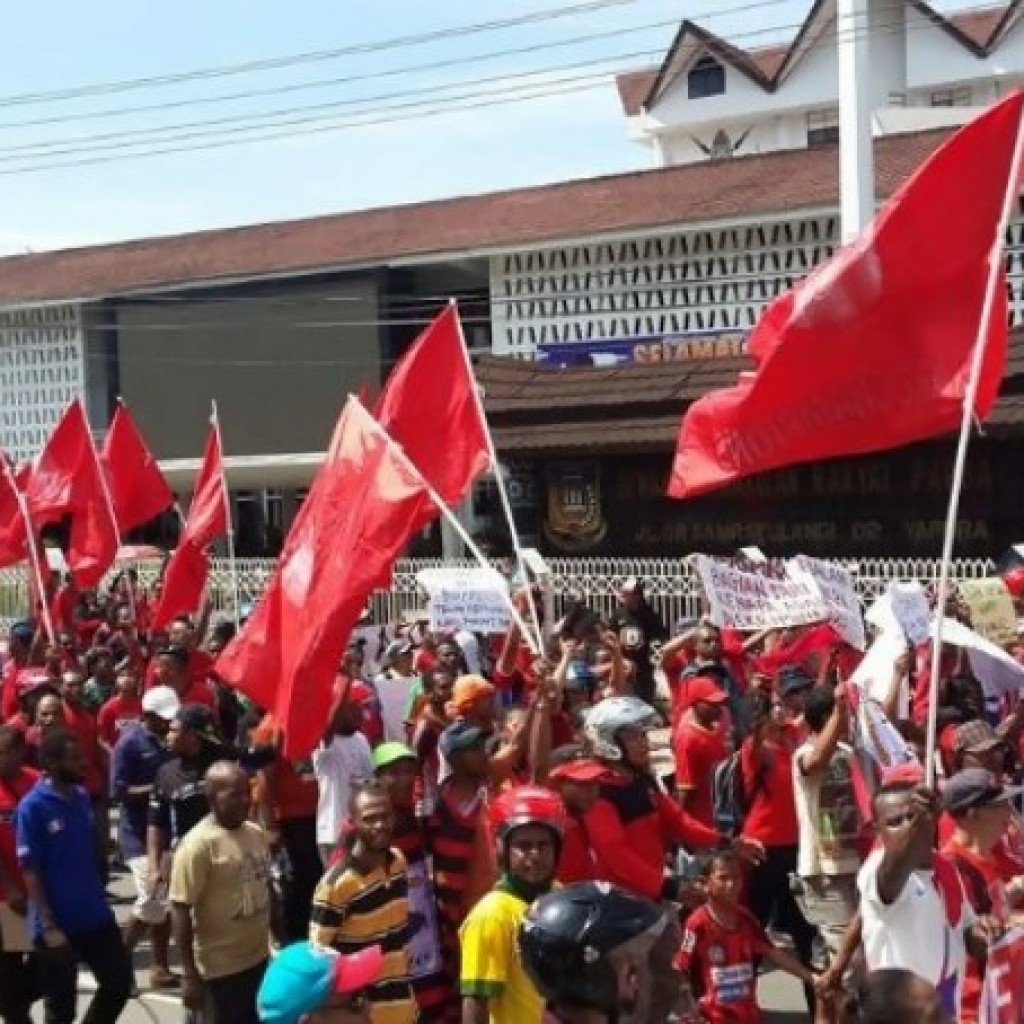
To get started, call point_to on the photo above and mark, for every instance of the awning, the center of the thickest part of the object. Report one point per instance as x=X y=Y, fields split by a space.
x=249 y=472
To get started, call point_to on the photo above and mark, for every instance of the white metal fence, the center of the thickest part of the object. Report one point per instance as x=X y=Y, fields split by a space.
x=672 y=584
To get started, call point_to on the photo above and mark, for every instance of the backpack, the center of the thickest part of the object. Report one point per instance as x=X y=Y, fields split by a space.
x=729 y=799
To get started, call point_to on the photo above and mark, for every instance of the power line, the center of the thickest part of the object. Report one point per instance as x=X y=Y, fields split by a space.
x=316 y=56
x=449 y=104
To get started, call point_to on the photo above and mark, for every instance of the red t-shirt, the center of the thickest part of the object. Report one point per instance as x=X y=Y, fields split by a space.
x=577 y=863
x=698 y=751
x=295 y=789
x=200 y=668
x=116 y=716
x=83 y=725
x=200 y=693
x=772 y=815
x=11 y=794
x=721 y=963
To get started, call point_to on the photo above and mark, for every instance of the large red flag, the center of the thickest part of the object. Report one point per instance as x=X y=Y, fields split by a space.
x=66 y=479
x=872 y=349
x=430 y=406
x=13 y=532
x=358 y=515
x=138 y=489
x=185 y=575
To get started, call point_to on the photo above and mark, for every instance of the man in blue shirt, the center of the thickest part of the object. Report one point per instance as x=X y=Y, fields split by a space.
x=138 y=756
x=69 y=917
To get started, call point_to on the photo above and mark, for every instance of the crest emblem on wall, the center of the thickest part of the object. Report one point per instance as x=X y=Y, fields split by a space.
x=574 y=518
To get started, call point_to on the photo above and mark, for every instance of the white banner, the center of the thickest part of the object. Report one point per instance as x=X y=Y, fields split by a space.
x=904 y=605
x=836 y=585
x=750 y=601
x=473 y=599
x=997 y=671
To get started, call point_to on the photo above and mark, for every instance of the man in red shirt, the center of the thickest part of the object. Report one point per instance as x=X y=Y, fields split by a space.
x=576 y=779
x=19 y=987
x=19 y=643
x=173 y=669
x=700 y=745
x=121 y=712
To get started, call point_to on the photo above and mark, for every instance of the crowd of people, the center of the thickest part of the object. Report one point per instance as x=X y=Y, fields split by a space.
x=482 y=835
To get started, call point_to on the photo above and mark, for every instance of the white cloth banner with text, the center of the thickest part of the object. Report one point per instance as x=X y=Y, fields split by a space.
x=473 y=599
x=750 y=601
x=836 y=584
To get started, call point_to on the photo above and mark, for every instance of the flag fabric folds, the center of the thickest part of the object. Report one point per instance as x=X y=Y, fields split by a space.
x=137 y=487
x=430 y=406
x=187 y=570
x=13 y=531
x=66 y=479
x=873 y=348
x=352 y=526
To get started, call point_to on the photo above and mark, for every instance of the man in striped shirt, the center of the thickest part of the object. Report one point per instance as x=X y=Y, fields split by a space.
x=362 y=901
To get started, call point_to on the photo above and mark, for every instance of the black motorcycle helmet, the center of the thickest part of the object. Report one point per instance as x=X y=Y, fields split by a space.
x=568 y=935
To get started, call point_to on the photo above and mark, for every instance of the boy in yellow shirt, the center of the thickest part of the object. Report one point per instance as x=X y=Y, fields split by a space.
x=528 y=824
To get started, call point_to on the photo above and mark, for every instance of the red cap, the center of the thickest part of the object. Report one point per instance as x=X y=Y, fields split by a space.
x=910 y=773
x=707 y=690
x=1014 y=581
x=584 y=770
x=352 y=691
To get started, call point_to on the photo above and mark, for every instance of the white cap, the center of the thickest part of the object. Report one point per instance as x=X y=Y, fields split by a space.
x=162 y=701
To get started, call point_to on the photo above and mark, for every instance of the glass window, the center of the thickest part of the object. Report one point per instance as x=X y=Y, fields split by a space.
x=952 y=97
x=822 y=128
x=706 y=78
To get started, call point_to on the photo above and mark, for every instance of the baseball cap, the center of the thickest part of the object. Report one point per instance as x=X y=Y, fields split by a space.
x=701 y=688
x=585 y=769
x=161 y=701
x=466 y=692
x=199 y=719
x=792 y=679
x=24 y=631
x=460 y=736
x=910 y=773
x=302 y=978
x=389 y=753
x=975 y=787
x=975 y=737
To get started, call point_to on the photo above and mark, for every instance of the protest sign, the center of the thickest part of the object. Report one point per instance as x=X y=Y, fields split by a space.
x=1003 y=987
x=836 y=585
x=992 y=613
x=874 y=675
x=751 y=601
x=473 y=599
x=907 y=605
x=998 y=672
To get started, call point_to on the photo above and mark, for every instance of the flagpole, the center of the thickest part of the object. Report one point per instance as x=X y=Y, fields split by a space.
x=109 y=502
x=450 y=516
x=232 y=563
x=33 y=550
x=499 y=478
x=995 y=280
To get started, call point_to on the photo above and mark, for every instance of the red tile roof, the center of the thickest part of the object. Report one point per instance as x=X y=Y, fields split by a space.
x=671 y=197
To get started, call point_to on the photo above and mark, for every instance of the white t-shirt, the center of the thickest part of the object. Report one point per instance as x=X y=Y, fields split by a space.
x=826 y=810
x=914 y=932
x=393 y=694
x=345 y=761
x=470 y=647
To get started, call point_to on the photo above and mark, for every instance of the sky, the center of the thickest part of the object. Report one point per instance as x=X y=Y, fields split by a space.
x=444 y=116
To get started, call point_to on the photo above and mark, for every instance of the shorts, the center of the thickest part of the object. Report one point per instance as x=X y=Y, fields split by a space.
x=830 y=903
x=149 y=909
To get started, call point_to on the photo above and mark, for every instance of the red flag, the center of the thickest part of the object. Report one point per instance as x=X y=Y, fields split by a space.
x=66 y=478
x=137 y=488
x=186 y=572
x=430 y=406
x=13 y=534
x=872 y=349
x=350 y=529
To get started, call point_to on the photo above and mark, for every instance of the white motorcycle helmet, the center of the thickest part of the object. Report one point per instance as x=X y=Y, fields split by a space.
x=604 y=721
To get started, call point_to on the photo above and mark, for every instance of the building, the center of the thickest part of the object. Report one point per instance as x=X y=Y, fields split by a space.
x=653 y=277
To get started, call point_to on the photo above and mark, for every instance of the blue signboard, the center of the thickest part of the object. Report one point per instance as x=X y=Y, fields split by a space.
x=674 y=348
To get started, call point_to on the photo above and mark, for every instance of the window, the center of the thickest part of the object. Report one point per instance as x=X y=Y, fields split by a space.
x=822 y=128
x=952 y=97
x=706 y=78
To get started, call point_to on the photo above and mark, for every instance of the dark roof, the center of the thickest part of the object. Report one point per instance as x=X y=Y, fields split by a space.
x=977 y=29
x=768 y=183
x=537 y=409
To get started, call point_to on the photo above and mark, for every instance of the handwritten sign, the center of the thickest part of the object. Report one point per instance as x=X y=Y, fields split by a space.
x=992 y=613
x=836 y=585
x=751 y=601
x=473 y=599
x=905 y=605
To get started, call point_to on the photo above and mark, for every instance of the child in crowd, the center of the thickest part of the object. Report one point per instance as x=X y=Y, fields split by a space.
x=722 y=945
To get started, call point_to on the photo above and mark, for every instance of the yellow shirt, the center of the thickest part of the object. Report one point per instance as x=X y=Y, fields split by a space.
x=224 y=877
x=491 y=967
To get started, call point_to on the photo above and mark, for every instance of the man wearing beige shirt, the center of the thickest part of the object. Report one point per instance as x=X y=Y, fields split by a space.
x=222 y=901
